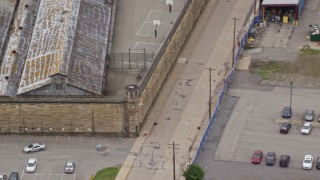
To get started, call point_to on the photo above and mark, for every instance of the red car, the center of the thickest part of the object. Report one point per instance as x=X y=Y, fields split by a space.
x=257 y=157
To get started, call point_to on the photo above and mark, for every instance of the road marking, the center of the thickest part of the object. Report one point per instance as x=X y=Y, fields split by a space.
x=145 y=43
x=19 y=140
x=22 y=173
x=81 y=139
x=55 y=144
x=151 y=12
x=167 y=24
x=5 y=142
x=105 y=142
x=11 y=164
x=50 y=169
x=62 y=172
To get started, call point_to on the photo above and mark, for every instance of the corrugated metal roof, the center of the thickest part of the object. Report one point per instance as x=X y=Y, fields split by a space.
x=70 y=38
x=280 y=2
x=49 y=50
x=12 y=63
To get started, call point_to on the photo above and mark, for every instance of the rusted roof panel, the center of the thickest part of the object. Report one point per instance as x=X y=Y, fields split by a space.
x=6 y=15
x=50 y=48
x=17 y=47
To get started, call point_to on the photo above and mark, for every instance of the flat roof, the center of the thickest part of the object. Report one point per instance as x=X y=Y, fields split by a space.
x=280 y=2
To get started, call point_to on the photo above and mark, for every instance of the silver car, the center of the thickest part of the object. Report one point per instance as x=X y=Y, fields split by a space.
x=309 y=115
x=34 y=147
x=69 y=167
x=3 y=177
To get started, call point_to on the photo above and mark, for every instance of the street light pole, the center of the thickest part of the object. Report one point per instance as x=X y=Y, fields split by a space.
x=291 y=83
x=234 y=38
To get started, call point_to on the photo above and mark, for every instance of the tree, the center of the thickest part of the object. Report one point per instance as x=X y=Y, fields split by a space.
x=194 y=172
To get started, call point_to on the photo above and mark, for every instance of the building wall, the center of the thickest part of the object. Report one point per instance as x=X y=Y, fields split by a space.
x=104 y=118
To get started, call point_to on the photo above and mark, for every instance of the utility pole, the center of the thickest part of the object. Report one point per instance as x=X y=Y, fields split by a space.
x=209 y=101
x=234 y=39
x=174 y=159
x=254 y=8
x=291 y=83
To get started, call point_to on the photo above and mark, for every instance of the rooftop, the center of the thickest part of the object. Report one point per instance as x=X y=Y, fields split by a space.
x=52 y=37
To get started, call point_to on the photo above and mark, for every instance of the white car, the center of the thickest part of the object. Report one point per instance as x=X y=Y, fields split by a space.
x=3 y=177
x=307 y=162
x=306 y=128
x=34 y=147
x=31 y=165
x=69 y=167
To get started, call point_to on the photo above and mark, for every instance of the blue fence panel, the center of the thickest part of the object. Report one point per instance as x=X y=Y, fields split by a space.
x=226 y=85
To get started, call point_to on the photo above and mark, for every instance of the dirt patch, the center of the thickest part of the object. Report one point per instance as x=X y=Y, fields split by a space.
x=304 y=72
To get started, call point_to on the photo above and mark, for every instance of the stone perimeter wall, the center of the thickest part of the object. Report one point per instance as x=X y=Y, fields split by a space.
x=53 y=118
x=89 y=117
x=169 y=57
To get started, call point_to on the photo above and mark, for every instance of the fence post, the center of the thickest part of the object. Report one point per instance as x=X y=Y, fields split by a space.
x=145 y=58
x=129 y=58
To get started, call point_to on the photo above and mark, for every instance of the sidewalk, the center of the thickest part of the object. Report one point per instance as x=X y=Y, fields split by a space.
x=181 y=110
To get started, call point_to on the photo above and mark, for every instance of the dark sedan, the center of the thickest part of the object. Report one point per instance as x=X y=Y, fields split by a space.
x=318 y=163
x=286 y=112
x=285 y=127
x=284 y=160
x=270 y=158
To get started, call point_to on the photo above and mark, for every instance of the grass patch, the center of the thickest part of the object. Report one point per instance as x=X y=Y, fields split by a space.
x=247 y=47
x=270 y=68
x=308 y=65
x=109 y=173
x=308 y=51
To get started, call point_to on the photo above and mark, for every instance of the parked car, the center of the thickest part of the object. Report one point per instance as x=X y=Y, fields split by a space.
x=270 y=158
x=31 y=165
x=257 y=157
x=284 y=160
x=69 y=167
x=318 y=163
x=14 y=176
x=286 y=112
x=309 y=115
x=3 y=177
x=34 y=147
x=285 y=127
x=307 y=162
x=306 y=128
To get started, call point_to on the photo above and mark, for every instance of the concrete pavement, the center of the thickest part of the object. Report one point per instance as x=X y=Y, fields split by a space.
x=182 y=105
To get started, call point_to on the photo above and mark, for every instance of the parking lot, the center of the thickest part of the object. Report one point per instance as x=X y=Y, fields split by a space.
x=59 y=149
x=251 y=126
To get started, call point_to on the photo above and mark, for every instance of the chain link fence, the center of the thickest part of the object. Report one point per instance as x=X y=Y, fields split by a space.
x=134 y=59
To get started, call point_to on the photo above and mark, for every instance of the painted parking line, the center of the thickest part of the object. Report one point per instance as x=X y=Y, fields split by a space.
x=166 y=24
x=140 y=29
x=50 y=169
x=55 y=144
x=5 y=142
x=139 y=43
